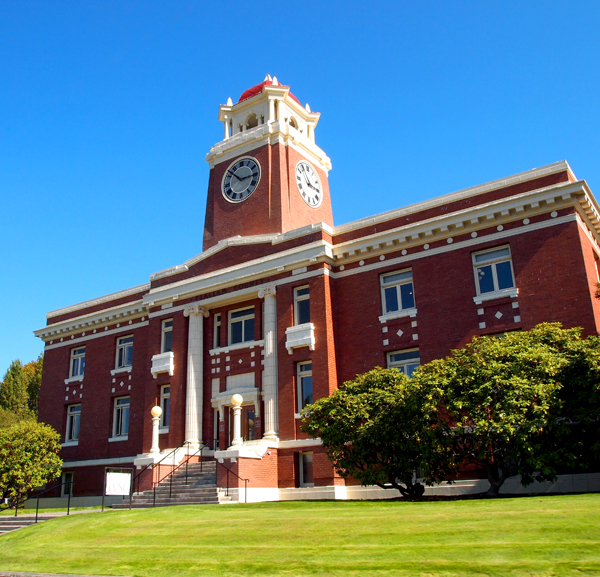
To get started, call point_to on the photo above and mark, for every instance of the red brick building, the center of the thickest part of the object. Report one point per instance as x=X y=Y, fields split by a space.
x=282 y=306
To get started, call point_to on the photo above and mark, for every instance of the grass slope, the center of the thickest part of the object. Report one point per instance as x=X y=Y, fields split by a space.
x=525 y=536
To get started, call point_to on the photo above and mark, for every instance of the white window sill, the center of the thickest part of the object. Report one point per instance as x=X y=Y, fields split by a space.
x=121 y=370
x=398 y=315
x=163 y=431
x=76 y=379
x=70 y=443
x=297 y=416
x=237 y=346
x=117 y=439
x=513 y=293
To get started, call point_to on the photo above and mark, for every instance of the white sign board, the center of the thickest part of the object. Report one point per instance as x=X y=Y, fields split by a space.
x=118 y=483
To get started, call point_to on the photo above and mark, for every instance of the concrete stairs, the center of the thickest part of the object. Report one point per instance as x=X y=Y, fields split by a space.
x=10 y=523
x=200 y=489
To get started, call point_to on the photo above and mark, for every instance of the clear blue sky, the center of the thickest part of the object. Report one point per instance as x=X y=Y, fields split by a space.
x=107 y=109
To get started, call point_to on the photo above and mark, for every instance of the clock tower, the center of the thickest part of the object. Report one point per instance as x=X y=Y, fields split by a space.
x=267 y=175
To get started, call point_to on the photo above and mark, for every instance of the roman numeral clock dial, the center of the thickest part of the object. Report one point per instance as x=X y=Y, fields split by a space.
x=241 y=179
x=309 y=184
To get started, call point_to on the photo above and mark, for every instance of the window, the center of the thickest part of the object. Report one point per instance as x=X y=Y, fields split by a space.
x=121 y=417
x=67 y=484
x=165 y=404
x=73 y=422
x=241 y=326
x=124 y=352
x=305 y=385
x=405 y=361
x=77 y=362
x=397 y=291
x=301 y=305
x=167 y=337
x=493 y=270
x=217 y=331
x=306 y=470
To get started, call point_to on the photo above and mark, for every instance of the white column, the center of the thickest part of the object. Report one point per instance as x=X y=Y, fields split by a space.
x=269 y=390
x=156 y=412
x=237 y=401
x=226 y=125
x=194 y=392
x=271 y=110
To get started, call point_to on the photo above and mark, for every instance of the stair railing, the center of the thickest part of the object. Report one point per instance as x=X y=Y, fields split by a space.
x=246 y=481
x=152 y=465
x=170 y=474
x=37 y=506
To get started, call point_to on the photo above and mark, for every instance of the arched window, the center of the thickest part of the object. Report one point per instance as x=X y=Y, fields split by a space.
x=293 y=122
x=251 y=121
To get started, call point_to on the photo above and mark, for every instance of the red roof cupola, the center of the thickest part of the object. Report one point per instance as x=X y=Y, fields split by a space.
x=258 y=89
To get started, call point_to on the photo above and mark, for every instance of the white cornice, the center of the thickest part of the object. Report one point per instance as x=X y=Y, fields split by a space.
x=91 y=321
x=268 y=133
x=318 y=251
x=455 y=196
x=275 y=238
x=468 y=220
x=99 y=301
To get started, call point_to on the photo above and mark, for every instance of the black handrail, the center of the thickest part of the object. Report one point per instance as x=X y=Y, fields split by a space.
x=37 y=506
x=152 y=465
x=156 y=483
x=246 y=481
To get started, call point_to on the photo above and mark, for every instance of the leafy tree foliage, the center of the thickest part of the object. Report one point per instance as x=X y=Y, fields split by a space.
x=20 y=388
x=33 y=377
x=28 y=458
x=509 y=403
x=378 y=429
x=8 y=418
x=13 y=392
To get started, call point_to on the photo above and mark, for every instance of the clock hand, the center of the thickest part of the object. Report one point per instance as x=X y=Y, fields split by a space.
x=234 y=174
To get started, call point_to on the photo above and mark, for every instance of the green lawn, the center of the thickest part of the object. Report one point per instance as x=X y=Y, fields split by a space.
x=533 y=536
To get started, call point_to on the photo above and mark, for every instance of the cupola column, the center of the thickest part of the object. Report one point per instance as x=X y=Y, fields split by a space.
x=226 y=125
x=194 y=393
x=271 y=417
x=271 y=110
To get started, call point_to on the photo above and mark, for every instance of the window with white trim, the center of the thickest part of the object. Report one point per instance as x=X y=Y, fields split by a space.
x=307 y=478
x=405 y=361
x=301 y=305
x=73 y=423
x=165 y=405
x=121 y=417
x=167 y=336
x=493 y=270
x=304 y=385
x=124 y=352
x=241 y=326
x=397 y=292
x=77 y=362
x=217 y=331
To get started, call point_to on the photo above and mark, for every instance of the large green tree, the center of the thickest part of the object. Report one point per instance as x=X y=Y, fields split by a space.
x=378 y=430
x=33 y=378
x=505 y=402
x=28 y=458
x=20 y=388
x=13 y=390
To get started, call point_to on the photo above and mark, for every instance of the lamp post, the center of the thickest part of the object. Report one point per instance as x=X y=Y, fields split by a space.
x=156 y=412
x=236 y=401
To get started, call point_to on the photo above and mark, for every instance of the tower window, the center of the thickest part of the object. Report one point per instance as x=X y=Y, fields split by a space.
x=251 y=121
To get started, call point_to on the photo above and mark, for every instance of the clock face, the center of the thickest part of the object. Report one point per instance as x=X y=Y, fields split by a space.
x=309 y=184
x=241 y=179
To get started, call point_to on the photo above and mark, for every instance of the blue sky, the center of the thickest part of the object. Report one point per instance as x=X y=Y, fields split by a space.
x=107 y=109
